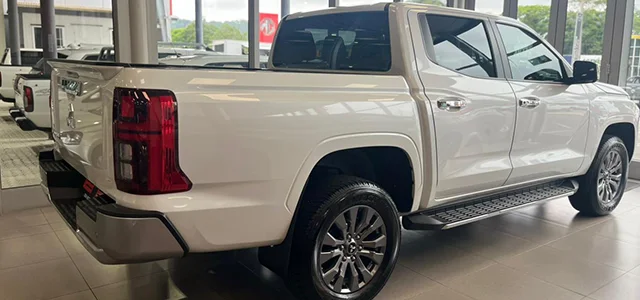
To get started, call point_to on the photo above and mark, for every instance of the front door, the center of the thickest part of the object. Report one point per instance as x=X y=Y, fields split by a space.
x=552 y=116
x=473 y=105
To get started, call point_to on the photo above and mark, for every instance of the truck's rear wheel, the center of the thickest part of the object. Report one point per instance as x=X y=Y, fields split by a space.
x=601 y=189
x=346 y=240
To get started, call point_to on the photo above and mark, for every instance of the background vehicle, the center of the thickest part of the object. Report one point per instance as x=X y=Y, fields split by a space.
x=633 y=88
x=8 y=72
x=462 y=117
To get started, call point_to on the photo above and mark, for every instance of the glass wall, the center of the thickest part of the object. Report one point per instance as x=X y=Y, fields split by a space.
x=535 y=13
x=82 y=29
x=494 y=7
x=584 y=33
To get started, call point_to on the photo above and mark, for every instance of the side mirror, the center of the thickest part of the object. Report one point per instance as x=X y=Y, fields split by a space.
x=584 y=72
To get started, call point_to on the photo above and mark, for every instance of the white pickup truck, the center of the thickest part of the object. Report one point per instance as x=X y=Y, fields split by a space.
x=366 y=114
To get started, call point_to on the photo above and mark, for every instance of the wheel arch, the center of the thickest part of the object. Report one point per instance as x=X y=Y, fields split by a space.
x=276 y=258
x=626 y=132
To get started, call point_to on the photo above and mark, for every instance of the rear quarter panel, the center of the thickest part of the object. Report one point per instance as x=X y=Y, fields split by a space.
x=249 y=139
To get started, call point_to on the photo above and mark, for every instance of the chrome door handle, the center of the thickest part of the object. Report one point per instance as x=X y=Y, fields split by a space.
x=529 y=102
x=452 y=103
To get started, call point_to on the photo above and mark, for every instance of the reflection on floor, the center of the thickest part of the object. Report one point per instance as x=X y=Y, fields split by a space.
x=540 y=252
x=19 y=152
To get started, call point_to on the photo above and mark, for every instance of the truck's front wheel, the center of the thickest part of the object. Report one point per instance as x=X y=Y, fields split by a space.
x=346 y=240
x=601 y=189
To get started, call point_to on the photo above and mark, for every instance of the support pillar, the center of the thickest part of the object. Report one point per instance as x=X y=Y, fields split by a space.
x=285 y=8
x=199 y=23
x=510 y=9
x=334 y=3
x=14 y=32
x=470 y=4
x=254 y=34
x=558 y=24
x=136 y=32
x=617 y=41
x=48 y=25
x=3 y=38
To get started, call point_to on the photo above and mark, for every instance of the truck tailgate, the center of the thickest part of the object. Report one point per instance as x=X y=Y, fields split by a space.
x=81 y=99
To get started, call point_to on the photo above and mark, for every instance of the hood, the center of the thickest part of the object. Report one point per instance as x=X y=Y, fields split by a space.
x=610 y=88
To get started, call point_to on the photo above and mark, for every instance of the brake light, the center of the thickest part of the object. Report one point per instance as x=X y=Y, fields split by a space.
x=28 y=99
x=145 y=142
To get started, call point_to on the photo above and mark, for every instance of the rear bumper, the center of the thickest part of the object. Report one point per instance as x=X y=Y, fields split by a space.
x=113 y=234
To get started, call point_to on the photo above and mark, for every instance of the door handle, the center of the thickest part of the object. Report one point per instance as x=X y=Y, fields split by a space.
x=529 y=102
x=452 y=103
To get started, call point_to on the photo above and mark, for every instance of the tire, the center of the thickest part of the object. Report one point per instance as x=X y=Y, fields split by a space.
x=590 y=199
x=325 y=205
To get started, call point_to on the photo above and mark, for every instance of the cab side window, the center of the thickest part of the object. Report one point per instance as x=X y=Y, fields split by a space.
x=529 y=58
x=461 y=45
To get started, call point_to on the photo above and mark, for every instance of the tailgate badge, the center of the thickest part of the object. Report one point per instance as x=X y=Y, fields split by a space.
x=71 y=118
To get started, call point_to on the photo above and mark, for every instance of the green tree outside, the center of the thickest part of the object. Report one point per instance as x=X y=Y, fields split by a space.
x=211 y=33
x=537 y=17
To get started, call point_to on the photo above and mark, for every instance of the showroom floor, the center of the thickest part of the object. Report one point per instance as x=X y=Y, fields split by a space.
x=540 y=252
x=19 y=149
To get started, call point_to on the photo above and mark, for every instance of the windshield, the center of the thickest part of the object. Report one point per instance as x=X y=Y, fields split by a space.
x=346 y=41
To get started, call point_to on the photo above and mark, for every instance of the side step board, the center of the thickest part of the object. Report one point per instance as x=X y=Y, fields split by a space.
x=488 y=206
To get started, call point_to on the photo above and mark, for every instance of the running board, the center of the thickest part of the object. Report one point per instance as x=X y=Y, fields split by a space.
x=488 y=206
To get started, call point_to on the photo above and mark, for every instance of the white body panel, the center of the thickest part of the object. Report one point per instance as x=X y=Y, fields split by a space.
x=41 y=114
x=248 y=140
x=245 y=138
x=8 y=74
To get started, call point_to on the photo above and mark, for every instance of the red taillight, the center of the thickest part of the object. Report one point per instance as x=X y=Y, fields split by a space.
x=28 y=99
x=145 y=142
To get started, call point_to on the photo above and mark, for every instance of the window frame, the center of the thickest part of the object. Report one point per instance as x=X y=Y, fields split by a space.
x=564 y=65
x=491 y=37
x=61 y=37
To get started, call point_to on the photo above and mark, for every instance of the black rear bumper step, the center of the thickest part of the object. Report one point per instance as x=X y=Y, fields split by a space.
x=488 y=206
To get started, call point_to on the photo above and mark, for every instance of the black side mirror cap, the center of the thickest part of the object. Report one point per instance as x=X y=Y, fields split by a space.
x=584 y=72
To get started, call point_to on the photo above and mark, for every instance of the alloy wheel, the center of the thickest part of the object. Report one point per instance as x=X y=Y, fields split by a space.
x=351 y=250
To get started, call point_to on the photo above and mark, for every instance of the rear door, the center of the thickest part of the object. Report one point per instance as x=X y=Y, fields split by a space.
x=552 y=116
x=473 y=105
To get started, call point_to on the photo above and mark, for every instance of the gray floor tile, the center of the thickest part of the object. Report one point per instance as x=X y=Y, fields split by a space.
x=440 y=262
x=488 y=242
x=561 y=212
x=86 y=295
x=626 y=287
x=52 y=215
x=22 y=219
x=564 y=269
x=625 y=229
x=600 y=249
x=59 y=226
x=526 y=227
x=70 y=242
x=31 y=249
x=440 y=292
x=405 y=284
x=499 y=282
x=10 y=233
x=41 y=281
x=96 y=274
x=157 y=286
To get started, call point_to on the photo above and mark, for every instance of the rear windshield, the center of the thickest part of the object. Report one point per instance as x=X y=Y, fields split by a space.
x=347 y=41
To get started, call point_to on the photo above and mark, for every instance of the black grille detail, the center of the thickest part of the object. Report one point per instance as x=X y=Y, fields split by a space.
x=490 y=205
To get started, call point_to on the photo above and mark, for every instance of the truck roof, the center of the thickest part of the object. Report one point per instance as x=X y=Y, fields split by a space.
x=399 y=5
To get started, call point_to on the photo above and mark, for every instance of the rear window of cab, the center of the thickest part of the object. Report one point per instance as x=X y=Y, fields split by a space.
x=347 y=41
